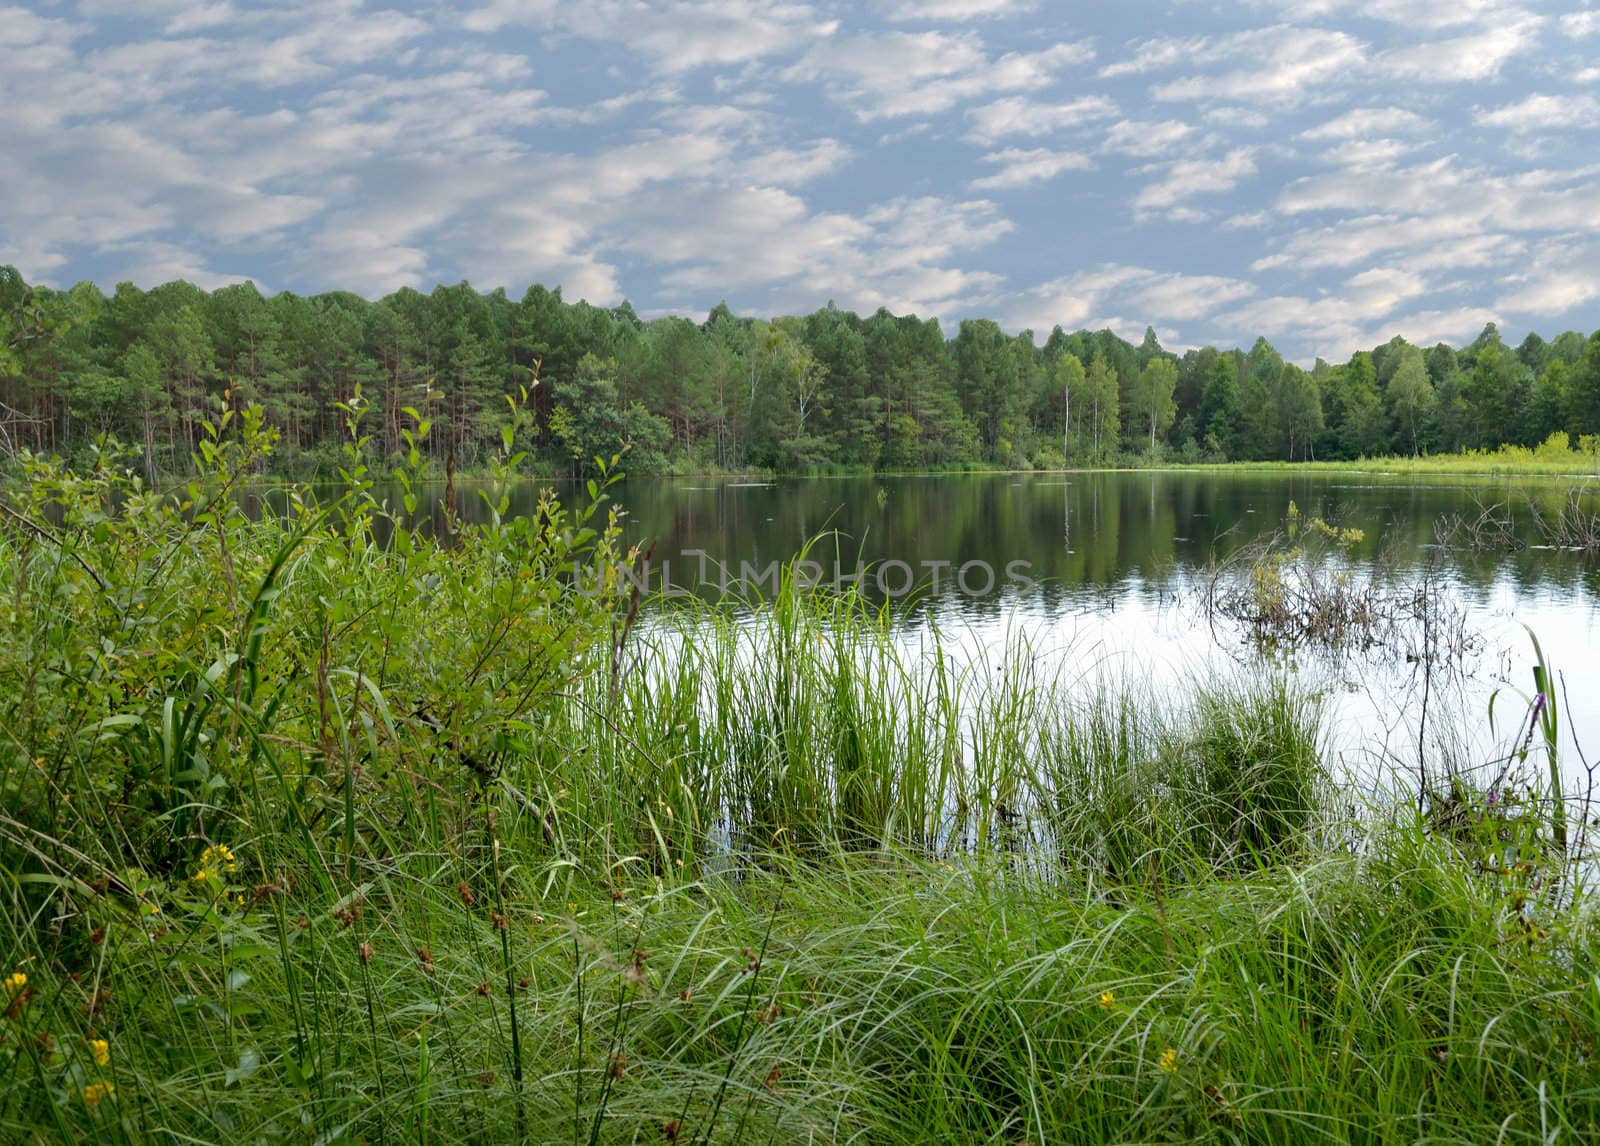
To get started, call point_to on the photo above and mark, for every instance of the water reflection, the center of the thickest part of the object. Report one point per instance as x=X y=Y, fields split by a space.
x=1113 y=559
x=1116 y=558
x=1089 y=531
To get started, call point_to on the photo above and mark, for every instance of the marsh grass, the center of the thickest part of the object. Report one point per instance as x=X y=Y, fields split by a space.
x=312 y=839
x=1233 y=782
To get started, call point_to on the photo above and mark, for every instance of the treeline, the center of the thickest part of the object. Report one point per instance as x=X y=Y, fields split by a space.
x=828 y=390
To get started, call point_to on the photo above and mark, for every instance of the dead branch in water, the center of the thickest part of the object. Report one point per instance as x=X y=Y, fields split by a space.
x=1286 y=595
x=1573 y=527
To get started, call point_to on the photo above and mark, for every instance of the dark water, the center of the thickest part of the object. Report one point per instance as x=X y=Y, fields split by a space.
x=1085 y=534
x=1103 y=572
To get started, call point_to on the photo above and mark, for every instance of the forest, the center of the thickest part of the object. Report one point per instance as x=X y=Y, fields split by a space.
x=828 y=391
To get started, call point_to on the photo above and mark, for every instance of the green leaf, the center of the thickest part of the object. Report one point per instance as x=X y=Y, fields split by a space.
x=249 y=1063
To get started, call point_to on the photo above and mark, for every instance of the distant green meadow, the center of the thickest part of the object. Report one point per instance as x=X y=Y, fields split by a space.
x=1554 y=459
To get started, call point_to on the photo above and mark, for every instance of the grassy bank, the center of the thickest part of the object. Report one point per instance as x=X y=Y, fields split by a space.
x=1499 y=464
x=311 y=838
x=1504 y=462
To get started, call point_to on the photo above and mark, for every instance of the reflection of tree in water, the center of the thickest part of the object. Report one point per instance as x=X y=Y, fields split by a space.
x=1080 y=532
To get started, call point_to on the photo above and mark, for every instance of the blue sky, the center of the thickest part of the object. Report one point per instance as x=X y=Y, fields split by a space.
x=1326 y=173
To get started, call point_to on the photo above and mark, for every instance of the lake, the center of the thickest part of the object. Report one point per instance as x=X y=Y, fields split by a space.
x=1105 y=573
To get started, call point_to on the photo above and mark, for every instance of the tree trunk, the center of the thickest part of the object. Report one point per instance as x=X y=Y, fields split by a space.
x=1066 y=422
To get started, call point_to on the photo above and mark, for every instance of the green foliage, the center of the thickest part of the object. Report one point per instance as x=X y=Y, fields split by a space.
x=1152 y=397
x=1219 y=408
x=1101 y=402
x=827 y=391
x=174 y=631
x=1294 y=413
x=1358 y=429
x=592 y=425
x=1411 y=397
x=1068 y=380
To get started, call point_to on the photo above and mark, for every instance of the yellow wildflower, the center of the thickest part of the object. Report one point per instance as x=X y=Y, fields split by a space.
x=218 y=855
x=1169 y=1061
x=15 y=982
x=215 y=862
x=101 y=1051
x=1108 y=1000
x=96 y=1091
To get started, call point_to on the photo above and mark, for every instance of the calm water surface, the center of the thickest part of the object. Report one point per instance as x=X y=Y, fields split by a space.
x=1099 y=573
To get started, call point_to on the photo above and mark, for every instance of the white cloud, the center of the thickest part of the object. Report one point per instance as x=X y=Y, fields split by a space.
x=157 y=262
x=1440 y=240
x=1364 y=122
x=1071 y=301
x=910 y=132
x=1153 y=55
x=1241 y=118
x=20 y=28
x=1544 y=113
x=1023 y=168
x=1407 y=13
x=47 y=77
x=1146 y=139
x=1461 y=59
x=1366 y=153
x=175 y=16
x=1420 y=188
x=1190 y=177
x=1185 y=297
x=1565 y=276
x=1248 y=221
x=737 y=238
x=938 y=227
x=624 y=199
x=791 y=166
x=1455 y=325
x=1527 y=201
x=1370 y=294
x=889 y=74
x=676 y=35
x=367 y=261
x=1335 y=322
x=896 y=254
x=1018 y=116
x=1468 y=252
x=1278 y=65
x=956 y=11
x=1580 y=25
x=1150 y=298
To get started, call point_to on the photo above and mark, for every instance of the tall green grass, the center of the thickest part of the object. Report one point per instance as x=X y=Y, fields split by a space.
x=311 y=838
x=1231 y=782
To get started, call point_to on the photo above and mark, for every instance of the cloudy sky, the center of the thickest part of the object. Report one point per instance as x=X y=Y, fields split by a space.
x=1326 y=173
